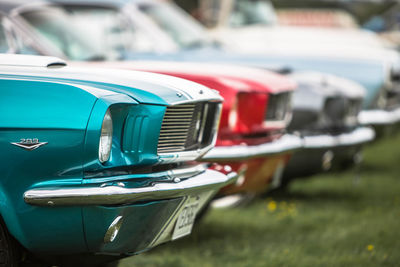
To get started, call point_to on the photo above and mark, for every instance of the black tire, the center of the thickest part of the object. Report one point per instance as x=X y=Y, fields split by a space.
x=9 y=248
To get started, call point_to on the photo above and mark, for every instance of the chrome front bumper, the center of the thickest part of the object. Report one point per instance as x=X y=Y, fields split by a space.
x=358 y=136
x=242 y=152
x=207 y=180
x=379 y=117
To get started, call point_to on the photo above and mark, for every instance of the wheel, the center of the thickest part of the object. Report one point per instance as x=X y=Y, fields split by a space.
x=9 y=248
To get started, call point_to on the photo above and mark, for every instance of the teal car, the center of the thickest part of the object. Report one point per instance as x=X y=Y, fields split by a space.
x=100 y=162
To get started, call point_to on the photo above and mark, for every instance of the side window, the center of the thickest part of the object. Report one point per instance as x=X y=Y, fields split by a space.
x=22 y=46
x=11 y=41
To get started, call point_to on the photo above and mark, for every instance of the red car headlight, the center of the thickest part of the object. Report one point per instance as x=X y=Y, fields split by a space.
x=253 y=113
x=248 y=113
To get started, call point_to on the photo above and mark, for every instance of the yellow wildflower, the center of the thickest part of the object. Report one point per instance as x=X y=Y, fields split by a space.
x=370 y=247
x=272 y=206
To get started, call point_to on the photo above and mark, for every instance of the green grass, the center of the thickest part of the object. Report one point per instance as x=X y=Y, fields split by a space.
x=327 y=220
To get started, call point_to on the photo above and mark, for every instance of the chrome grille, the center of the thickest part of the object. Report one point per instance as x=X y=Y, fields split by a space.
x=341 y=111
x=188 y=127
x=175 y=128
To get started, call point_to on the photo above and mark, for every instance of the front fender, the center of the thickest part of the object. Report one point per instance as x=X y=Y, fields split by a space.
x=51 y=112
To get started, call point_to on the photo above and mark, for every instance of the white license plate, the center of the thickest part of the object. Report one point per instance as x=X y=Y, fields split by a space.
x=186 y=218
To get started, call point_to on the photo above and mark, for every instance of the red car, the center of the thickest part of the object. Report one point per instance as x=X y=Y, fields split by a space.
x=256 y=111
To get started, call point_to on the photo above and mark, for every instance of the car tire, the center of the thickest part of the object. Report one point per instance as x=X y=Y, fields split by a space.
x=9 y=248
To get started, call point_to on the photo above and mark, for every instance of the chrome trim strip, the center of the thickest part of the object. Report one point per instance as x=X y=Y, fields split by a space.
x=117 y=195
x=358 y=136
x=286 y=143
x=379 y=117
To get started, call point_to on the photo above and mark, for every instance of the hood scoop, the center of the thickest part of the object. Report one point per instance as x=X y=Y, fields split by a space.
x=31 y=61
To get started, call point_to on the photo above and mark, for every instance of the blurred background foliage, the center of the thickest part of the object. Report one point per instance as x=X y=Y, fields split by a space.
x=331 y=219
x=361 y=9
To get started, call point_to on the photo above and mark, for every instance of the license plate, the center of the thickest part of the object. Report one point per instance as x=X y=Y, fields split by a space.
x=186 y=218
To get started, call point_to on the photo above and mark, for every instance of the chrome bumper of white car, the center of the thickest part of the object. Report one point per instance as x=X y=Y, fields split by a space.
x=118 y=194
x=379 y=117
x=242 y=152
x=358 y=136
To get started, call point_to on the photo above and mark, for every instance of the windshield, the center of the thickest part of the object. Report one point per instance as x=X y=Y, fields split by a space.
x=4 y=47
x=87 y=33
x=177 y=24
x=63 y=34
x=250 y=12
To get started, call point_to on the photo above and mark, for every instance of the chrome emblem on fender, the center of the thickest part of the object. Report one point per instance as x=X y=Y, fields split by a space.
x=29 y=144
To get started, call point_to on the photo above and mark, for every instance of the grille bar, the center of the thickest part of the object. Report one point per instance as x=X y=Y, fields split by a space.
x=184 y=127
x=175 y=127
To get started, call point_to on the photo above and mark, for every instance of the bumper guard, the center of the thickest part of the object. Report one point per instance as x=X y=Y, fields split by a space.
x=284 y=144
x=357 y=137
x=379 y=117
x=118 y=194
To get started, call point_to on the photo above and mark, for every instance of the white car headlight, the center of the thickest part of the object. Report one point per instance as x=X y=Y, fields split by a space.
x=105 y=143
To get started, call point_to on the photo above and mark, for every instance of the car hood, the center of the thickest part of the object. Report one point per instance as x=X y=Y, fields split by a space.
x=371 y=74
x=330 y=85
x=332 y=43
x=236 y=77
x=144 y=87
x=314 y=88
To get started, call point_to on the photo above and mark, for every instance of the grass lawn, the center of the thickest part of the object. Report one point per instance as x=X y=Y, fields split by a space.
x=342 y=219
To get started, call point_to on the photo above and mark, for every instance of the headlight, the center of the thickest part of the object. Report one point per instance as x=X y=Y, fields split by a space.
x=353 y=110
x=381 y=100
x=247 y=114
x=106 y=138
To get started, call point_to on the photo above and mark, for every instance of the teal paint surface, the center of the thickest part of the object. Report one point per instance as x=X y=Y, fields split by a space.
x=69 y=118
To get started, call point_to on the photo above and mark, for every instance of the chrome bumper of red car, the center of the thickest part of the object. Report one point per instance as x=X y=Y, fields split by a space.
x=240 y=152
x=119 y=193
x=356 y=137
x=379 y=117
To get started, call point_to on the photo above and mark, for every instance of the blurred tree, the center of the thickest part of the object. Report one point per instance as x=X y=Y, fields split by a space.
x=188 y=5
x=362 y=10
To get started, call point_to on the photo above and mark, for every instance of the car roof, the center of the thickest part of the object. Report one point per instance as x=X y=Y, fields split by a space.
x=118 y=3
x=8 y=5
x=114 y=3
x=30 y=61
